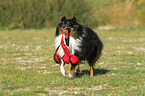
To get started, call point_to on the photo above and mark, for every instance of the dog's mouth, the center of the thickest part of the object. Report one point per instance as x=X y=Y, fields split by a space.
x=65 y=29
x=66 y=32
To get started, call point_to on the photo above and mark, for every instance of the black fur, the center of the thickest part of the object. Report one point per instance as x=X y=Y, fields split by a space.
x=91 y=44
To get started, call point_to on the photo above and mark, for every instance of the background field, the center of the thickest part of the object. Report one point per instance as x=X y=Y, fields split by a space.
x=27 y=67
x=27 y=47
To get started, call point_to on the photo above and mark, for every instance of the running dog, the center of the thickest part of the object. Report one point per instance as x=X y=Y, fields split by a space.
x=82 y=42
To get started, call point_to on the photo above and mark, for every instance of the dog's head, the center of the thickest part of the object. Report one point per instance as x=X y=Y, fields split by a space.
x=75 y=29
x=68 y=23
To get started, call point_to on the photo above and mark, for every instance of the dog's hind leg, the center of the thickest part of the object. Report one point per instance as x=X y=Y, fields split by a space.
x=91 y=63
x=91 y=70
x=62 y=70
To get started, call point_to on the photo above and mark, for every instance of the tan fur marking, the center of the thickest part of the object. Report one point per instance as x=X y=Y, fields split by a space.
x=91 y=71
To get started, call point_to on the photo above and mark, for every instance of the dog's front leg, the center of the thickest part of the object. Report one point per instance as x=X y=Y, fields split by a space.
x=62 y=70
x=73 y=70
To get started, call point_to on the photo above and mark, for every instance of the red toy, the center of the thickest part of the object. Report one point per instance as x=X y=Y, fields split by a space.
x=67 y=58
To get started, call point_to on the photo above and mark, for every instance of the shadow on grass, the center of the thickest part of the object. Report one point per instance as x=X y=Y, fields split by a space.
x=96 y=72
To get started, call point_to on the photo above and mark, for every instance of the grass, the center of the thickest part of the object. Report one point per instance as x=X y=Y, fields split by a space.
x=27 y=67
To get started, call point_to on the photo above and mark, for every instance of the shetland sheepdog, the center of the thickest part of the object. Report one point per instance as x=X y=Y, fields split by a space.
x=83 y=42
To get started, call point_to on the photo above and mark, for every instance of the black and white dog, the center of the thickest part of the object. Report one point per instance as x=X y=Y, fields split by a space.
x=83 y=42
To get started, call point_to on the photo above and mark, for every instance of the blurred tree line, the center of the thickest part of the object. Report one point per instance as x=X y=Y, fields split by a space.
x=122 y=14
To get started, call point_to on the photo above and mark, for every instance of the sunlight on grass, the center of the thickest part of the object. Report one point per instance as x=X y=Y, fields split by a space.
x=27 y=66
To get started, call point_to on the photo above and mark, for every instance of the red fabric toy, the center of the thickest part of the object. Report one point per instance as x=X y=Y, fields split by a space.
x=67 y=58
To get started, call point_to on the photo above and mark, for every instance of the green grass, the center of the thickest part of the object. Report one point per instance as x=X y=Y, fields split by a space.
x=27 y=67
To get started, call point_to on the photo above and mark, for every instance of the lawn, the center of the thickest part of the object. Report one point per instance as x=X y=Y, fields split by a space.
x=27 y=67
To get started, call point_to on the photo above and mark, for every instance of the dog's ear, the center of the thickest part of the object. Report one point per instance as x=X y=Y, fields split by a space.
x=74 y=19
x=63 y=18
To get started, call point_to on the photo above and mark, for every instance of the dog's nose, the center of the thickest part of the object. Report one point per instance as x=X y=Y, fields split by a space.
x=63 y=26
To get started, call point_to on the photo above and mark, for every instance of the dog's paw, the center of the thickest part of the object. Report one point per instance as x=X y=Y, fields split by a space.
x=70 y=76
x=63 y=73
x=62 y=70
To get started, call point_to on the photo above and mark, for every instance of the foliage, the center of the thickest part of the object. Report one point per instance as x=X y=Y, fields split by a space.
x=123 y=14
x=41 y=13
x=140 y=12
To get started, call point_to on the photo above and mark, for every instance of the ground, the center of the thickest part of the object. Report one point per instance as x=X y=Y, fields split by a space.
x=27 y=66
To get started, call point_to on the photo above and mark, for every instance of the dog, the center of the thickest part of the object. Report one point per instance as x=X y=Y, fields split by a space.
x=83 y=42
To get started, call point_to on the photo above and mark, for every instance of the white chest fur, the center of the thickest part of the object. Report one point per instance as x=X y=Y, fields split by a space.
x=74 y=44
